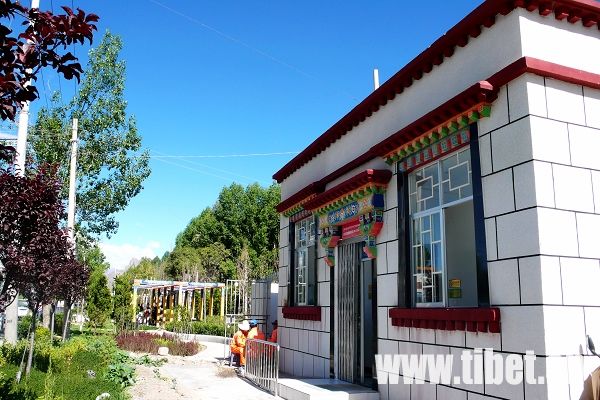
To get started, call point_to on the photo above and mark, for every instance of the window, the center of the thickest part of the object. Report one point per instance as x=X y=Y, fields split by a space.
x=304 y=280
x=442 y=240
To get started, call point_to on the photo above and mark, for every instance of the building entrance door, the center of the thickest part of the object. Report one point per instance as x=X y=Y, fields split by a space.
x=356 y=319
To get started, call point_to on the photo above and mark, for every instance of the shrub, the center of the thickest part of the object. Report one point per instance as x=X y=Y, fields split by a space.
x=213 y=326
x=9 y=391
x=182 y=348
x=70 y=362
x=146 y=342
x=122 y=374
x=58 y=324
x=23 y=326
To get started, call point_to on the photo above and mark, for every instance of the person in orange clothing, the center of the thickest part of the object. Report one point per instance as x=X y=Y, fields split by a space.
x=273 y=337
x=255 y=332
x=238 y=344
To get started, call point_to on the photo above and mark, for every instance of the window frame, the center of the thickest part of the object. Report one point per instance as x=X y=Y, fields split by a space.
x=406 y=291
x=438 y=210
x=309 y=249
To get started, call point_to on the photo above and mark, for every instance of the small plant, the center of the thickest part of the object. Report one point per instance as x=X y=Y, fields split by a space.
x=147 y=361
x=145 y=342
x=122 y=374
x=162 y=342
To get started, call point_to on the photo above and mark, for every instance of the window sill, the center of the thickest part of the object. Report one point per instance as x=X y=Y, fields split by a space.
x=448 y=319
x=306 y=313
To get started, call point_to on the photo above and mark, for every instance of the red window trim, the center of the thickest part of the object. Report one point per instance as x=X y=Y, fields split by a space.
x=306 y=313
x=448 y=319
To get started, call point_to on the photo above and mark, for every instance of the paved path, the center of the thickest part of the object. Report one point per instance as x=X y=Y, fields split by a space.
x=197 y=377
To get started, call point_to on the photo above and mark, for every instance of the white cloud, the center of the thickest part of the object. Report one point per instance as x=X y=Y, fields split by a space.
x=120 y=255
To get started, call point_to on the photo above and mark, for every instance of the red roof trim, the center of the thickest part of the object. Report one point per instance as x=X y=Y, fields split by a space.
x=481 y=92
x=512 y=71
x=470 y=26
x=546 y=69
x=313 y=188
x=373 y=176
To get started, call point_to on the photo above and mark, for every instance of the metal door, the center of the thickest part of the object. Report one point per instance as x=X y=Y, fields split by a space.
x=348 y=311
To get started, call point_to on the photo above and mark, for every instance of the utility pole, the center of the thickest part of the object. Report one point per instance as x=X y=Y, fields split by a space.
x=72 y=183
x=71 y=217
x=12 y=311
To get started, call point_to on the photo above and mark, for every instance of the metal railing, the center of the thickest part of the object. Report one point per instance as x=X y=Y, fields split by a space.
x=262 y=364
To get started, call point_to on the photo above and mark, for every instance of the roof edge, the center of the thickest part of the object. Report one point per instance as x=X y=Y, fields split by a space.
x=501 y=78
x=586 y=11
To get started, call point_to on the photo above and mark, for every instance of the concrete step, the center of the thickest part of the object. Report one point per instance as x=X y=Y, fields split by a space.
x=323 y=389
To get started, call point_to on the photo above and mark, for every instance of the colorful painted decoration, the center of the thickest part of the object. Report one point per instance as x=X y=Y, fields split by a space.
x=346 y=212
x=364 y=213
x=371 y=223
x=330 y=237
x=422 y=149
x=370 y=247
x=329 y=256
x=436 y=150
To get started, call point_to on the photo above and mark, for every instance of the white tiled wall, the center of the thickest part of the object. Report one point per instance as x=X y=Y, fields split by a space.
x=304 y=344
x=541 y=188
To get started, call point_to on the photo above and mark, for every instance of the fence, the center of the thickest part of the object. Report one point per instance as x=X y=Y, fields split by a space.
x=262 y=364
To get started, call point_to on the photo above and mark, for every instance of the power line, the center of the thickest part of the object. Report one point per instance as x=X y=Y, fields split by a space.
x=246 y=45
x=281 y=153
x=195 y=170
x=212 y=168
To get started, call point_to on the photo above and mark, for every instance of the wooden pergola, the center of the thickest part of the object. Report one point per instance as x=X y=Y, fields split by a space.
x=162 y=297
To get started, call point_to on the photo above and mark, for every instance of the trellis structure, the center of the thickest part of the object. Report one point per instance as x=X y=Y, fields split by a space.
x=162 y=297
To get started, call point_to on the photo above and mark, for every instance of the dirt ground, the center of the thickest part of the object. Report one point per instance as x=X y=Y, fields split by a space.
x=197 y=377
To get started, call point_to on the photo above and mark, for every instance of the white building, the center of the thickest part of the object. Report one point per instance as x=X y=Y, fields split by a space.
x=456 y=207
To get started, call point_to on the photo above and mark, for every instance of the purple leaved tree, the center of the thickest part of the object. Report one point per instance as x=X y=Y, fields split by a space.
x=42 y=42
x=37 y=257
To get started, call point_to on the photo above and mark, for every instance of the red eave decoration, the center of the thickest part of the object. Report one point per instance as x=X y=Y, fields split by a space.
x=306 y=313
x=484 y=16
x=374 y=176
x=313 y=188
x=477 y=91
x=481 y=92
x=448 y=319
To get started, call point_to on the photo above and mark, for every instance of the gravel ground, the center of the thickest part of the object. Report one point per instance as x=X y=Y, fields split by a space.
x=197 y=377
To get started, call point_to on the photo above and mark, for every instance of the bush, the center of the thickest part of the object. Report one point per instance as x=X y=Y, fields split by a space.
x=58 y=323
x=213 y=326
x=122 y=374
x=69 y=365
x=9 y=391
x=23 y=326
x=145 y=342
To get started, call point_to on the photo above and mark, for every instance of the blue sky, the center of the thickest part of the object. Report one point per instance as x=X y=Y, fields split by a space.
x=239 y=77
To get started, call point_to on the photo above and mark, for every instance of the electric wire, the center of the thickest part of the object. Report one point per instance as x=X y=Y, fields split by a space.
x=248 y=46
x=212 y=168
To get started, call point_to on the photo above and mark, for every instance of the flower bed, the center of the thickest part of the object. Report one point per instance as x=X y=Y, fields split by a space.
x=146 y=342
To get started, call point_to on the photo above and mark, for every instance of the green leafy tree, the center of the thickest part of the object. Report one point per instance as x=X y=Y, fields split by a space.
x=183 y=263
x=200 y=232
x=98 y=300
x=216 y=263
x=111 y=165
x=122 y=308
x=146 y=269
x=242 y=222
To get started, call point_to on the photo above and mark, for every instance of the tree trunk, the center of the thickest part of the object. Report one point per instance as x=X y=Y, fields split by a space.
x=66 y=320
x=52 y=314
x=46 y=312
x=31 y=344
